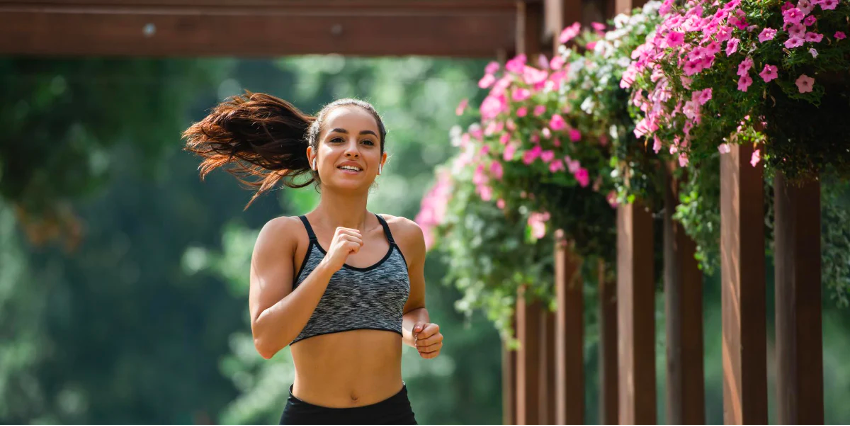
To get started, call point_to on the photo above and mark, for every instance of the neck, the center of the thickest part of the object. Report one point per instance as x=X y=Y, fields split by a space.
x=342 y=208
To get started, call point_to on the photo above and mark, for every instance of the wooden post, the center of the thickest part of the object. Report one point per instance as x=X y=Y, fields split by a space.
x=743 y=298
x=528 y=360
x=799 y=338
x=608 y=378
x=683 y=310
x=547 y=404
x=569 y=336
x=626 y=6
x=509 y=375
x=636 y=314
x=529 y=30
x=559 y=15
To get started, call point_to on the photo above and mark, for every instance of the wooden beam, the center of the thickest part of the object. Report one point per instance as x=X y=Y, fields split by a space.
x=743 y=297
x=799 y=335
x=528 y=360
x=529 y=29
x=683 y=311
x=608 y=377
x=186 y=29
x=626 y=6
x=636 y=314
x=569 y=336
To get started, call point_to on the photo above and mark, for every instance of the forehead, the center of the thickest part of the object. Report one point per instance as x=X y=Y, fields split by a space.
x=351 y=118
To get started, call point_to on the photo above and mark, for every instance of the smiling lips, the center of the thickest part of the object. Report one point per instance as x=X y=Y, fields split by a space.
x=350 y=167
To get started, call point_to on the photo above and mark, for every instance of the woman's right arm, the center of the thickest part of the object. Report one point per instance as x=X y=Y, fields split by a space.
x=278 y=314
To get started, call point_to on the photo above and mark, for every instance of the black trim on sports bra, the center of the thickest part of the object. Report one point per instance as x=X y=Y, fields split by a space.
x=315 y=241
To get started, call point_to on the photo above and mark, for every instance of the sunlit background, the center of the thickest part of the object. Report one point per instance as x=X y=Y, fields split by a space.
x=124 y=278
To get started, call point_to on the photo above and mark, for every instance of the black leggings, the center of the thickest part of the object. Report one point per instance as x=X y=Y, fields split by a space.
x=394 y=410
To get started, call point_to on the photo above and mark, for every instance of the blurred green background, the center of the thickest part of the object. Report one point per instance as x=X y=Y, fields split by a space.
x=124 y=278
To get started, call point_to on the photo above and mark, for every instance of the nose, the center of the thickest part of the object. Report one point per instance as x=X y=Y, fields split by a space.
x=352 y=150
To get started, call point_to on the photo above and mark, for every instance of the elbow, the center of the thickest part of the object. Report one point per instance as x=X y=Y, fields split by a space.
x=263 y=348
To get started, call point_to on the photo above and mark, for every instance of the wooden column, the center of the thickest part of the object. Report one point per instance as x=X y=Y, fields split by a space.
x=509 y=375
x=608 y=378
x=569 y=336
x=743 y=288
x=683 y=310
x=547 y=403
x=626 y=6
x=529 y=29
x=528 y=361
x=636 y=314
x=559 y=15
x=799 y=337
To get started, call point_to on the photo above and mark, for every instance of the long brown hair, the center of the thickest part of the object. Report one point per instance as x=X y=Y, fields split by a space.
x=261 y=136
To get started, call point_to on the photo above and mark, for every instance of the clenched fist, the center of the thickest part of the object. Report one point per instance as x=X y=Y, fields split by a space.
x=427 y=339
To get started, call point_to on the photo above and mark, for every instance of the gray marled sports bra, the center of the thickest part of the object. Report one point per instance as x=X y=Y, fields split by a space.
x=357 y=298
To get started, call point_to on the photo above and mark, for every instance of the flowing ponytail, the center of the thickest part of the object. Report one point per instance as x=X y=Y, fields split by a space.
x=264 y=137
x=254 y=135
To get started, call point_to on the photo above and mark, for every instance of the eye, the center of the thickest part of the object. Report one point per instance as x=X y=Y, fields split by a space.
x=369 y=141
x=337 y=139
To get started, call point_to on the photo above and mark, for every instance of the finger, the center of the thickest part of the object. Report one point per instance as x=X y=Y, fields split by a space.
x=431 y=348
x=429 y=355
x=354 y=247
x=351 y=238
x=348 y=231
x=437 y=338
x=430 y=330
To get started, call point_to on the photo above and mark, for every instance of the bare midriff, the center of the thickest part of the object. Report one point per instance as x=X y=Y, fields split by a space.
x=347 y=369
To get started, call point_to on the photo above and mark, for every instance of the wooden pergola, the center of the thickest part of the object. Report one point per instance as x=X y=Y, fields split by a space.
x=544 y=380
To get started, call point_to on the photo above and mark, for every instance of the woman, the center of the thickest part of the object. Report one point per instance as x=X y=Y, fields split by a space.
x=343 y=286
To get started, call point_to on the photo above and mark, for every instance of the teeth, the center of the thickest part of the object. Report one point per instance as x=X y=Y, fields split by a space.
x=349 y=168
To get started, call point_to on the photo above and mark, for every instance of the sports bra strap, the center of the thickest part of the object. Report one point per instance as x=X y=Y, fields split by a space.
x=309 y=228
x=386 y=229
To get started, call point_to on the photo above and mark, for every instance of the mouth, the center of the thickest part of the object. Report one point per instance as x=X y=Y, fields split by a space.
x=350 y=169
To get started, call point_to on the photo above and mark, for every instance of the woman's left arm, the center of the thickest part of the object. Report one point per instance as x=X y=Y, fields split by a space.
x=417 y=330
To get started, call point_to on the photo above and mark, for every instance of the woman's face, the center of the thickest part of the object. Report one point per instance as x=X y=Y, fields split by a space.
x=349 y=140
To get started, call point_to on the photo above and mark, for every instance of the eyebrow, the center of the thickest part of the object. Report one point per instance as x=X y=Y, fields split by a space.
x=365 y=132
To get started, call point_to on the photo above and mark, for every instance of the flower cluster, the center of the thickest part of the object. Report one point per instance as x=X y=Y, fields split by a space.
x=713 y=70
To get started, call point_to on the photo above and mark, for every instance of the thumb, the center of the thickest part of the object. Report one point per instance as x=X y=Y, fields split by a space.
x=418 y=327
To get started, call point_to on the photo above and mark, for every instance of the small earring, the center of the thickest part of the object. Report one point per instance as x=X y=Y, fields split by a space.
x=379 y=168
x=314 y=164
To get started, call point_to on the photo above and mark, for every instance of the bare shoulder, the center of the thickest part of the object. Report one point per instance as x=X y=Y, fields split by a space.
x=280 y=233
x=408 y=235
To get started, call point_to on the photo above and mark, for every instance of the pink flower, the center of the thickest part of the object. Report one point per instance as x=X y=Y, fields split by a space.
x=723 y=33
x=537 y=222
x=814 y=37
x=813 y=52
x=510 y=150
x=535 y=137
x=575 y=135
x=500 y=203
x=793 y=42
x=745 y=65
x=496 y=169
x=486 y=81
x=479 y=178
x=793 y=15
x=810 y=20
x=591 y=45
x=485 y=191
x=724 y=148
x=539 y=110
x=703 y=96
x=674 y=38
x=534 y=77
x=557 y=123
x=519 y=94
x=547 y=156
x=805 y=83
x=755 y=158
x=805 y=6
x=521 y=112
x=546 y=133
x=569 y=33
x=583 y=177
x=493 y=106
x=556 y=63
x=656 y=145
x=787 y=5
x=505 y=138
x=744 y=82
x=767 y=34
x=492 y=67
x=796 y=30
x=693 y=67
x=732 y=46
x=597 y=26
x=556 y=165
x=683 y=159
x=828 y=4
x=768 y=73
x=461 y=106
x=612 y=197
x=840 y=35
x=532 y=154
x=517 y=64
